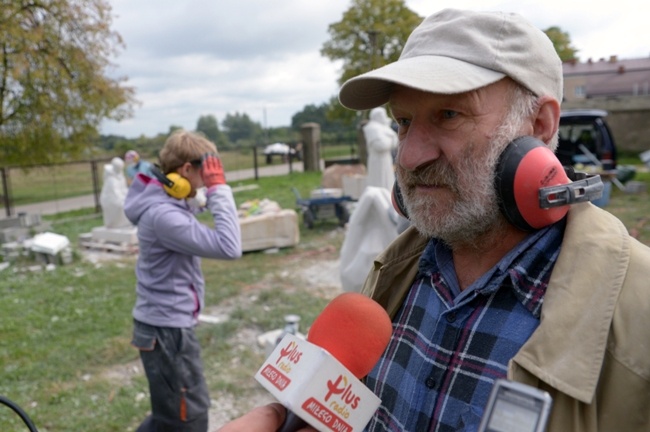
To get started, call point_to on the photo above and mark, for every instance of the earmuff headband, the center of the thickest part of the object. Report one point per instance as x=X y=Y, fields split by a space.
x=162 y=178
x=588 y=188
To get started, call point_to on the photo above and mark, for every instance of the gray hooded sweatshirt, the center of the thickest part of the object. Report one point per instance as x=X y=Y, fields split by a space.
x=170 y=287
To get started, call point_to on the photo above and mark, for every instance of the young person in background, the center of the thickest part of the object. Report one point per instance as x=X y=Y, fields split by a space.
x=170 y=285
x=135 y=165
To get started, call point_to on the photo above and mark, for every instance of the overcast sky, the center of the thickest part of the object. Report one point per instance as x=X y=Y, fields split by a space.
x=188 y=58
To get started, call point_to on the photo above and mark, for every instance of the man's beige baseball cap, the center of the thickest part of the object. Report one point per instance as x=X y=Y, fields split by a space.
x=455 y=51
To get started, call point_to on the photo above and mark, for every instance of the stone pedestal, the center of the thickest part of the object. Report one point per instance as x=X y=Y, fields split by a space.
x=311 y=146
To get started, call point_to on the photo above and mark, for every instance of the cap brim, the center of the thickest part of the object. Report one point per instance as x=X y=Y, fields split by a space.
x=434 y=74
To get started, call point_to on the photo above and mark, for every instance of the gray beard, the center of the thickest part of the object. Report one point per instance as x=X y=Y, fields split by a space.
x=474 y=216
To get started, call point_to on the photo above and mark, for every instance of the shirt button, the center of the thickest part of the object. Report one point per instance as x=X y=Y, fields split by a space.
x=430 y=382
x=451 y=317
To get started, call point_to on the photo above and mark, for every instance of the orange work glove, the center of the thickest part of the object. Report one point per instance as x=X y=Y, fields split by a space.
x=212 y=171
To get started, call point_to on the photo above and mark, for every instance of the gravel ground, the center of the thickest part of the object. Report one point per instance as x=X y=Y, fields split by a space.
x=322 y=276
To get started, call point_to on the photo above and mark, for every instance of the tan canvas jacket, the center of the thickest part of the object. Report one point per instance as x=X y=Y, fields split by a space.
x=591 y=351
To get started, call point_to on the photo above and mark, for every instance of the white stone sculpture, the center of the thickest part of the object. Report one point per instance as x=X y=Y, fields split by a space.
x=113 y=195
x=372 y=226
x=381 y=140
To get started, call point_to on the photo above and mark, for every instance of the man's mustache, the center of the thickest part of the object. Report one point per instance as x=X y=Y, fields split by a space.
x=436 y=174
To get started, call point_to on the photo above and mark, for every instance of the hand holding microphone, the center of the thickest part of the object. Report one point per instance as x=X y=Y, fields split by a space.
x=212 y=171
x=318 y=379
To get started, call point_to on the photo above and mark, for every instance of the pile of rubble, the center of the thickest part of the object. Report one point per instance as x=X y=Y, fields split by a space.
x=25 y=239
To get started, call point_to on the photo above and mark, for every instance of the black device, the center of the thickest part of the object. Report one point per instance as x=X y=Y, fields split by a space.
x=18 y=410
x=516 y=407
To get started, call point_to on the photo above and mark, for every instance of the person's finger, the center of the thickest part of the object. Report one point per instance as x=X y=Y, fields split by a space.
x=267 y=418
x=211 y=161
x=210 y=156
x=207 y=160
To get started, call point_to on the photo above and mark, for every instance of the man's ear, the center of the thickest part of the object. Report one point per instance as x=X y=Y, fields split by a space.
x=546 y=122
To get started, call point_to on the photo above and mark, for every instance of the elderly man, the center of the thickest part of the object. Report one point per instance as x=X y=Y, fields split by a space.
x=473 y=296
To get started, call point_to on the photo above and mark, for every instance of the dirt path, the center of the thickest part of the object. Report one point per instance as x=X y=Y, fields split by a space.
x=322 y=276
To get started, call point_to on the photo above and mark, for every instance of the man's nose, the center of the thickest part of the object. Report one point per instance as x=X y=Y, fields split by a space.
x=417 y=148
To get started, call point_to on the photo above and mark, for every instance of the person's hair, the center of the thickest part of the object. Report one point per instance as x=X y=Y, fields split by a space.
x=523 y=105
x=183 y=146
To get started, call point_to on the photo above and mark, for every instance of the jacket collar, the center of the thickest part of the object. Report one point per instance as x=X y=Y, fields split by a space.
x=568 y=348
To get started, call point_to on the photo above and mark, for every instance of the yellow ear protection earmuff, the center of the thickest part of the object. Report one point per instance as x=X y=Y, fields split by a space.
x=174 y=184
x=533 y=188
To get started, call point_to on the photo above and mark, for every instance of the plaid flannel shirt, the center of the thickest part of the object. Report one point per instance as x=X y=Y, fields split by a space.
x=448 y=347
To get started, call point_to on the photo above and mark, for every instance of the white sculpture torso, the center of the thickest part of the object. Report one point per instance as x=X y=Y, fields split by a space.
x=381 y=140
x=113 y=195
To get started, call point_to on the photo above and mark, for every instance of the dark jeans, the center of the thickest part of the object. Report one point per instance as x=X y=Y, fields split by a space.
x=172 y=362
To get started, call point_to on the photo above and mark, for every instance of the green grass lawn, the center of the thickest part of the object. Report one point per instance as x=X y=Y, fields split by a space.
x=64 y=332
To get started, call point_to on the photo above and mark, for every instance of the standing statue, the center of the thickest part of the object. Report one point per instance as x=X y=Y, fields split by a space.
x=373 y=225
x=113 y=195
x=381 y=140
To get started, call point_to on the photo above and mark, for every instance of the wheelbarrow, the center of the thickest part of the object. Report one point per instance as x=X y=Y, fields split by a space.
x=322 y=208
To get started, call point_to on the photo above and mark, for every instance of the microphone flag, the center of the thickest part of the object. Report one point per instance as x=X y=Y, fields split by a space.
x=315 y=386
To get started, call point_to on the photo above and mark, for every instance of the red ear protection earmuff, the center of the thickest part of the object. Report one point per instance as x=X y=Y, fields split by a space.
x=174 y=184
x=533 y=188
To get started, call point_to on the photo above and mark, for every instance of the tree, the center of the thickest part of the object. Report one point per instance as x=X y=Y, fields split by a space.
x=310 y=113
x=240 y=129
x=54 y=84
x=317 y=114
x=562 y=43
x=209 y=127
x=371 y=34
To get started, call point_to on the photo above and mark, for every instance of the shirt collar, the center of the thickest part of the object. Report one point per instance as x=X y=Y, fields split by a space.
x=528 y=266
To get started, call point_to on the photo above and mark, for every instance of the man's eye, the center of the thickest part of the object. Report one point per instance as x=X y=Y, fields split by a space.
x=449 y=114
x=402 y=122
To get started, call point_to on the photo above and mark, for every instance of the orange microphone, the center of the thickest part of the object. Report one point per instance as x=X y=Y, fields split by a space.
x=355 y=330
x=318 y=379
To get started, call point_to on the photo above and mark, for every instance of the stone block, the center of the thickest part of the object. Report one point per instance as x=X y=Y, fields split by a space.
x=22 y=220
x=353 y=185
x=14 y=234
x=12 y=222
x=332 y=177
x=127 y=235
x=49 y=243
x=270 y=230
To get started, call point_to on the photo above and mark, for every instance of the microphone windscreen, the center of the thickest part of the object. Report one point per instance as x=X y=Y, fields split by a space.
x=354 y=329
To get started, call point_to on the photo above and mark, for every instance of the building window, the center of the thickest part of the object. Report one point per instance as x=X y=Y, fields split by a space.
x=580 y=91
